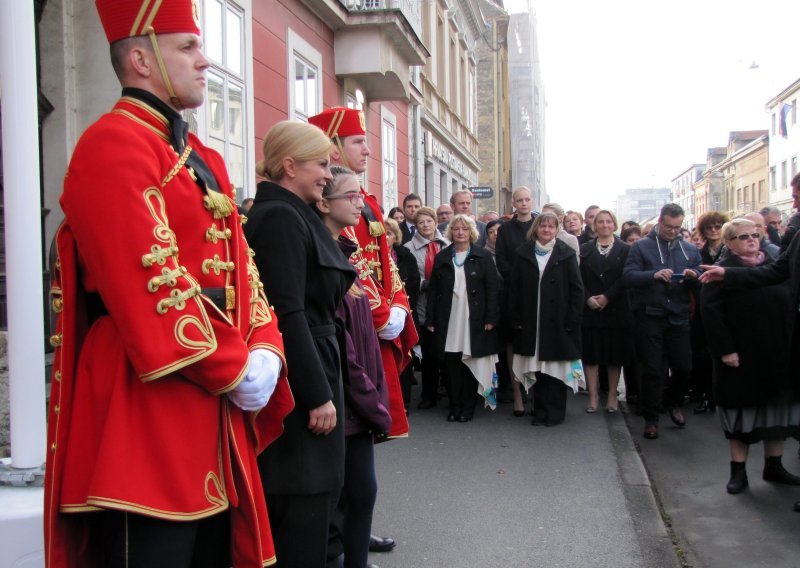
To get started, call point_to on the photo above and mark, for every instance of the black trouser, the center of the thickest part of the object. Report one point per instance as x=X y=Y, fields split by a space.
x=136 y=541
x=462 y=387
x=360 y=492
x=300 y=528
x=659 y=342
x=431 y=365
x=406 y=380
x=549 y=399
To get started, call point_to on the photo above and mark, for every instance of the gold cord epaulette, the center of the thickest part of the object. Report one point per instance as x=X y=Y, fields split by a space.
x=177 y=167
x=376 y=228
x=177 y=299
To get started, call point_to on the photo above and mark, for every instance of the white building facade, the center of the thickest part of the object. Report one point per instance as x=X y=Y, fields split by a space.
x=784 y=145
x=683 y=191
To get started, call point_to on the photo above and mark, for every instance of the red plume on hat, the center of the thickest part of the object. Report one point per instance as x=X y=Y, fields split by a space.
x=340 y=121
x=129 y=18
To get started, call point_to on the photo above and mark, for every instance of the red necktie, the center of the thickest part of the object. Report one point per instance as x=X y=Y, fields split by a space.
x=433 y=248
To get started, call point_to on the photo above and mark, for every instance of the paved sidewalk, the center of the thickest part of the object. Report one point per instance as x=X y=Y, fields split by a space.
x=690 y=468
x=498 y=492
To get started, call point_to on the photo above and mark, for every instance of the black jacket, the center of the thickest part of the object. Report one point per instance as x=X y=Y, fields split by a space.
x=561 y=303
x=481 y=277
x=407 y=269
x=305 y=276
x=510 y=235
x=603 y=275
x=755 y=323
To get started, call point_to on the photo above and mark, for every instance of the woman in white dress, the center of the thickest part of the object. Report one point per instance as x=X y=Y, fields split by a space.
x=462 y=312
x=545 y=307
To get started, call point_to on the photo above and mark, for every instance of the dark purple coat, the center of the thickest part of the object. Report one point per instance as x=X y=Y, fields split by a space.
x=366 y=396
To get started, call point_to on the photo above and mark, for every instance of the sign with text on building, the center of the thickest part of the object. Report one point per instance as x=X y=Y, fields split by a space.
x=482 y=192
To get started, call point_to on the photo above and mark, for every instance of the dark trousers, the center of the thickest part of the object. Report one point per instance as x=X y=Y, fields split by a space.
x=406 y=381
x=300 y=528
x=549 y=399
x=431 y=365
x=462 y=387
x=360 y=492
x=136 y=541
x=658 y=343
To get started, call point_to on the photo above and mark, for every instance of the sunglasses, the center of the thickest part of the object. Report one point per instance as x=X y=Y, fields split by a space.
x=745 y=236
x=715 y=227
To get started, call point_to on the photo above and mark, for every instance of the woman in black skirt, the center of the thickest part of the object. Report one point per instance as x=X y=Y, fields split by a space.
x=749 y=336
x=607 y=335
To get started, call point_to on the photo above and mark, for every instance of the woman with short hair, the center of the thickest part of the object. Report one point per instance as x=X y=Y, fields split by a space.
x=749 y=336
x=462 y=311
x=545 y=308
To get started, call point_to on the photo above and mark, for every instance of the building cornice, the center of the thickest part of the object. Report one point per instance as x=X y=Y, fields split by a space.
x=783 y=95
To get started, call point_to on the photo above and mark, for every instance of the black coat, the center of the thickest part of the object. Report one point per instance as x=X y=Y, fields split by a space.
x=510 y=236
x=409 y=274
x=561 y=303
x=755 y=323
x=305 y=276
x=481 y=276
x=603 y=275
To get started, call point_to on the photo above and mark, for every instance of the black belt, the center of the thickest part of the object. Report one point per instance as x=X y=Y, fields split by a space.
x=323 y=330
x=223 y=298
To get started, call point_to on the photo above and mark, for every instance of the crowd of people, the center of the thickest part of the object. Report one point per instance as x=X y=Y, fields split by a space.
x=221 y=376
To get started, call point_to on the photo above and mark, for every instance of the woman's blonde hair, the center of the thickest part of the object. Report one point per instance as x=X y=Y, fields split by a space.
x=605 y=212
x=541 y=218
x=425 y=211
x=391 y=225
x=291 y=139
x=468 y=222
x=729 y=228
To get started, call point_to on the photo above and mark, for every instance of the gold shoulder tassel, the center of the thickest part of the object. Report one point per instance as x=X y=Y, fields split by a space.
x=218 y=203
x=376 y=228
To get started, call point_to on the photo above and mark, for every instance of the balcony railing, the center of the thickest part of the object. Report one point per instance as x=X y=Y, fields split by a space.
x=410 y=9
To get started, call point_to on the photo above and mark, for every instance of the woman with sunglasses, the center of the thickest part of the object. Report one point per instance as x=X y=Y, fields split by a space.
x=748 y=332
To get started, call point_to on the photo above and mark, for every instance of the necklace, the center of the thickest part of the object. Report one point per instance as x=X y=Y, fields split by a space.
x=604 y=249
x=455 y=260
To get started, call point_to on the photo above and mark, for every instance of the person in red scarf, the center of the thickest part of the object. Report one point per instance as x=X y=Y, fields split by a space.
x=168 y=374
x=391 y=313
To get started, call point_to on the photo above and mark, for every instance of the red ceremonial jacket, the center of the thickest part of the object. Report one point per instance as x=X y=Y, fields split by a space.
x=379 y=277
x=138 y=420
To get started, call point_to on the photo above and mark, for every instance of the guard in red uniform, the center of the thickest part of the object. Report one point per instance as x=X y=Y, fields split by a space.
x=391 y=313
x=168 y=372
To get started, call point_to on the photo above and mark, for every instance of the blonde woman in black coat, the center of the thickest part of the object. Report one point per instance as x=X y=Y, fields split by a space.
x=749 y=336
x=462 y=311
x=545 y=307
x=607 y=321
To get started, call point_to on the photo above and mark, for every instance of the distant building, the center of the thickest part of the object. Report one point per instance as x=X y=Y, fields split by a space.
x=527 y=106
x=683 y=191
x=494 y=128
x=744 y=173
x=784 y=145
x=640 y=204
x=708 y=189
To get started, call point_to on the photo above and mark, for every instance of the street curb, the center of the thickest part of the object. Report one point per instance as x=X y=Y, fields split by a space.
x=655 y=538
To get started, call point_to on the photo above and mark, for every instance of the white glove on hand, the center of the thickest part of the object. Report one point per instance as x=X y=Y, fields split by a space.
x=397 y=321
x=260 y=379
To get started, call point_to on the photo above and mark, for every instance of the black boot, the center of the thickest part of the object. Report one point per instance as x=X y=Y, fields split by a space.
x=738 y=481
x=776 y=473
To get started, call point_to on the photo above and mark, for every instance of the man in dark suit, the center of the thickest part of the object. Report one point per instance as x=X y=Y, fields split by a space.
x=461 y=202
x=411 y=205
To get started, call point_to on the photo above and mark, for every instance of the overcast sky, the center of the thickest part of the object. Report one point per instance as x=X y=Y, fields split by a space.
x=637 y=90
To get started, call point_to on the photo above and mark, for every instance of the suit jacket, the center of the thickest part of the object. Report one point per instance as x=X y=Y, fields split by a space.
x=481 y=277
x=603 y=275
x=407 y=234
x=305 y=275
x=560 y=309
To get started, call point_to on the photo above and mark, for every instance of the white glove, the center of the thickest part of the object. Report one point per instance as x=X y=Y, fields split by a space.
x=397 y=321
x=260 y=379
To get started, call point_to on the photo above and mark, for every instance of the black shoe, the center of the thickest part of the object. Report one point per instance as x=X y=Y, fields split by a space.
x=536 y=422
x=378 y=544
x=463 y=418
x=426 y=404
x=738 y=481
x=677 y=417
x=797 y=506
x=452 y=417
x=550 y=423
x=704 y=406
x=776 y=473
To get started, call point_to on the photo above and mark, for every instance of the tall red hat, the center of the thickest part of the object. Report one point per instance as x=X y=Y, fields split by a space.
x=340 y=121
x=129 y=18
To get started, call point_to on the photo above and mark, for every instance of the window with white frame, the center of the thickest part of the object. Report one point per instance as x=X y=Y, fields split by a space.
x=226 y=101
x=389 y=158
x=305 y=78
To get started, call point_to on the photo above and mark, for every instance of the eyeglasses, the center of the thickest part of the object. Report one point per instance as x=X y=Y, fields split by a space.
x=670 y=227
x=746 y=236
x=353 y=196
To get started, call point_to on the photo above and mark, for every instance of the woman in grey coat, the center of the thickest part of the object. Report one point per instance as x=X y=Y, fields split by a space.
x=426 y=242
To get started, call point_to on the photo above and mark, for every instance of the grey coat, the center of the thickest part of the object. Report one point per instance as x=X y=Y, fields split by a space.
x=418 y=245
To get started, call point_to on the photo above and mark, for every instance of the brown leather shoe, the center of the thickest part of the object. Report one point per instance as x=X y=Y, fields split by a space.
x=677 y=417
x=651 y=431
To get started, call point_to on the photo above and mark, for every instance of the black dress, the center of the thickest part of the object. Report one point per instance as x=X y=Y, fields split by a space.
x=607 y=333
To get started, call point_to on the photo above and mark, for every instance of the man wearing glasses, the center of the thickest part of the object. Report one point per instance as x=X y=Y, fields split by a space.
x=661 y=269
